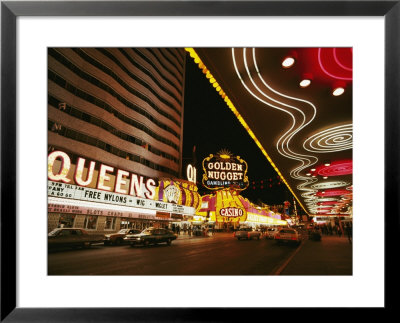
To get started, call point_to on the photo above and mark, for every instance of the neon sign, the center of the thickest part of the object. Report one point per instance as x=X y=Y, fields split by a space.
x=224 y=171
x=125 y=182
x=191 y=173
x=231 y=211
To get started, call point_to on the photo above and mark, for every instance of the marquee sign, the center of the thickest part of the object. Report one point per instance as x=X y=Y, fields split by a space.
x=112 y=186
x=74 y=192
x=224 y=171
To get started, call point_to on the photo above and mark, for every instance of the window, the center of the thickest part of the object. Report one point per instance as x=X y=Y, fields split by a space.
x=66 y=221
x=110 y=223
x=65 y=233
x=90 y=222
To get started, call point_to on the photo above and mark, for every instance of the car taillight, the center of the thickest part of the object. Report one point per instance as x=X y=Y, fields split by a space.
x=248 y=234
x=277 y=236
x=234 y=234
x=294 y=238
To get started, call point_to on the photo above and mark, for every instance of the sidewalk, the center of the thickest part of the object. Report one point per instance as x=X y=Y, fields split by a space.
x=330 y=256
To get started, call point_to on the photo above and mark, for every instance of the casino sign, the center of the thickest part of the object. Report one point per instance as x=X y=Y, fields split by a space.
x=224 y=171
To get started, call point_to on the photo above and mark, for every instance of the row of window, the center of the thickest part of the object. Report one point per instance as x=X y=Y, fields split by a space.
x=149 y=61
x=108 y=71
x=86 y=139
x=178 y=54
x=90 y=78
x=147 y=72
x=178 y=69
x=74 y=112
x=103 y=105
x=91 y=222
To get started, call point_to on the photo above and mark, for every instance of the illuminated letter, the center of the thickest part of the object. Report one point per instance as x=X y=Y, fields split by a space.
x=217 y=166
x=229 y=176
x=210 y=165
x=239 y=167
x=104 y=177
x=136 y=186
x=80 y=167
x=121 y=181
x=151 y=188
x=64 y=169
x=191 y=173
x=223 y=176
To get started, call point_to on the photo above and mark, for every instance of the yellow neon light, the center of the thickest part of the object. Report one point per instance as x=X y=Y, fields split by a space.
x=229 y=103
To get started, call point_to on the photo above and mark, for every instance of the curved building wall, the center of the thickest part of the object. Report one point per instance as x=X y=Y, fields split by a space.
x=120 y=106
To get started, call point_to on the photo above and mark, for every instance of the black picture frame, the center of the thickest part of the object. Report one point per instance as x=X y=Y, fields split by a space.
x=10 y=10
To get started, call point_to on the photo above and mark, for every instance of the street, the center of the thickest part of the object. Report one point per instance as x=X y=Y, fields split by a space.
x=220 y=254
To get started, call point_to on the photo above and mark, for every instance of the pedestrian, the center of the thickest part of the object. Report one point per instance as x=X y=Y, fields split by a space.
x=178 y=230
x=190 y=231
x=349 y=232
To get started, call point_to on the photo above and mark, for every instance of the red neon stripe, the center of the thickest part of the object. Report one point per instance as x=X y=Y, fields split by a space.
x=339 y=63
x=326 y=72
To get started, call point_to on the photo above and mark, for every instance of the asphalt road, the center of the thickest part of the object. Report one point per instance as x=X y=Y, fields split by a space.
x=220 y=254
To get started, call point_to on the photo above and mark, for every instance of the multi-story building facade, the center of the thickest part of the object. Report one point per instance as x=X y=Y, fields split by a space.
x=122 y=107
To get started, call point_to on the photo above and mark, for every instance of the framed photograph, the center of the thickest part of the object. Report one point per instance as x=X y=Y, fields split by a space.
x=43 y=41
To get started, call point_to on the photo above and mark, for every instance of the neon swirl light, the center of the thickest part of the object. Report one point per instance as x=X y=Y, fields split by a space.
x=331 y=140
x=329 y=185
x=259 y=92
x=326 y=199
x=297 y=123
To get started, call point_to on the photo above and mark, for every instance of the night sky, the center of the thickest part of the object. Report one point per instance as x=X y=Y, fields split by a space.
x=211 y=126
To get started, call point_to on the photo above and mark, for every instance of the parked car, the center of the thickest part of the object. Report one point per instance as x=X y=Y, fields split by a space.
x=287 y=235
x=270 y=233
x=72 y=237
x=247 y=233
x=117 y=238
x=151 y=236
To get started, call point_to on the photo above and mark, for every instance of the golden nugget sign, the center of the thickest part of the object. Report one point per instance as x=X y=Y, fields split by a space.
x=223 y=171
